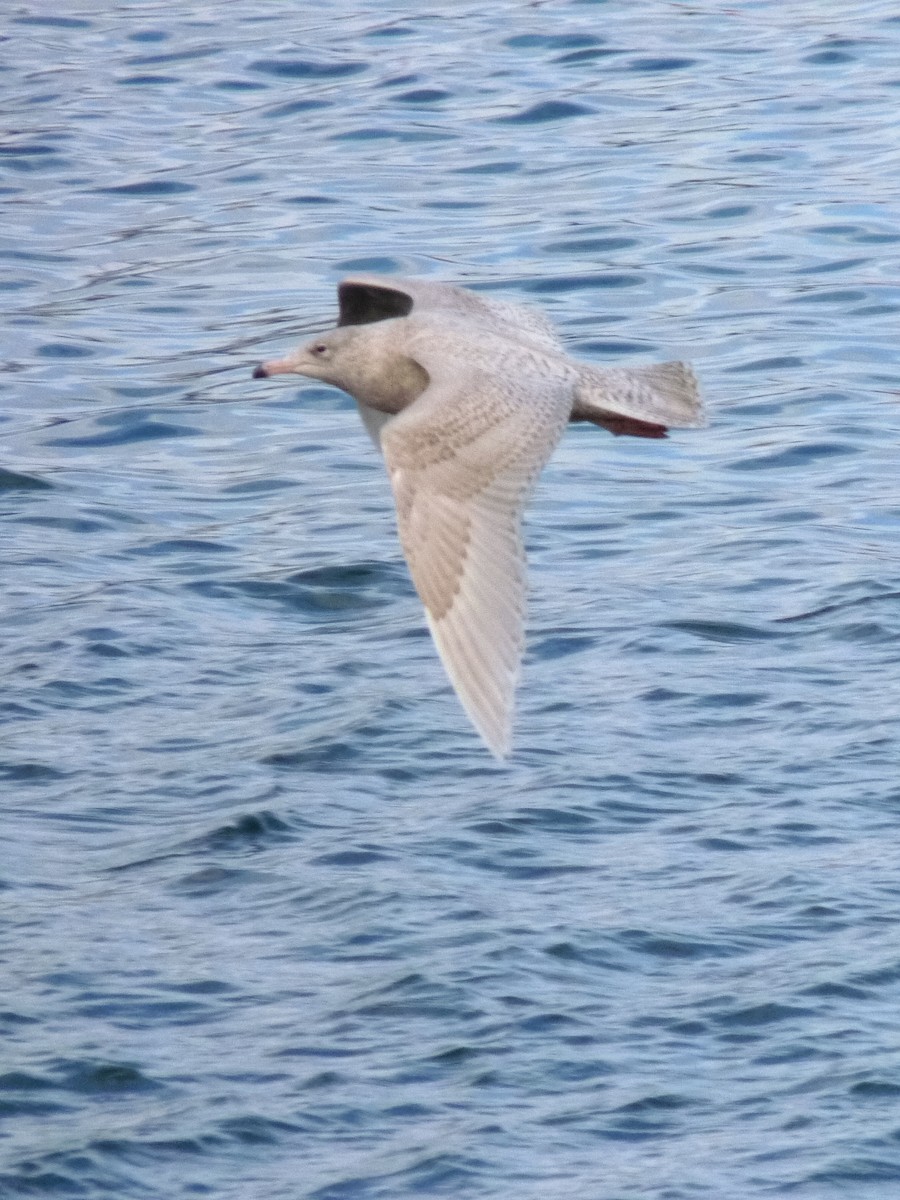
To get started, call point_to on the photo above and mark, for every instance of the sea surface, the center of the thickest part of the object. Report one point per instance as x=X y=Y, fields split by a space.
x=275 y=926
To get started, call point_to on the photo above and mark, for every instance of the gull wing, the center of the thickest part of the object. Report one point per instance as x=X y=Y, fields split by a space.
x=463 y=460
x=363 y=299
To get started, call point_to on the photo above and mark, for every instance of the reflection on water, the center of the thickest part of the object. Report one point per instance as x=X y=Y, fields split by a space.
x=272 y=914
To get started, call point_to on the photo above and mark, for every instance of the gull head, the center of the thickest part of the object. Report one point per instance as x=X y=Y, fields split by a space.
x=366 y=361
x=326 y=357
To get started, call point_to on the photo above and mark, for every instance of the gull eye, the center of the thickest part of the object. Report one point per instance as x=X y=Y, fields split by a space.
x=320 y=348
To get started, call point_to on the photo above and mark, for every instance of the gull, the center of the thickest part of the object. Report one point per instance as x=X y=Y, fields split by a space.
x=466 y=398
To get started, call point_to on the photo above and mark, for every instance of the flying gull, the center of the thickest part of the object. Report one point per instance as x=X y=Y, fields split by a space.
x=466 y=397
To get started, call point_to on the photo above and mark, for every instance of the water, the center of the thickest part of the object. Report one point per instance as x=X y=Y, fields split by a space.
x=274 y=924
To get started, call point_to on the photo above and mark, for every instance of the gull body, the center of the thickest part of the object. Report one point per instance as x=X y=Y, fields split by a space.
x=467 y=397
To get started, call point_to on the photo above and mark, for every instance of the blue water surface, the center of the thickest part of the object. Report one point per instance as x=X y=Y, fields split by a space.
x=275 y=925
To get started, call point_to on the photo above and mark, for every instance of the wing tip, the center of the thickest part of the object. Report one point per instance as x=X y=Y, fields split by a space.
x=493 y=721
x=500 y=748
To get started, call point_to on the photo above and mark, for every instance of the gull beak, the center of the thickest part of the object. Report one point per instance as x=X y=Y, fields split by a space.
x=275 y=366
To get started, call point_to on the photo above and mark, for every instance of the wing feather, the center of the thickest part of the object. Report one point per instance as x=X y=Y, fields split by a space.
x=463 y=460
x=365 y=298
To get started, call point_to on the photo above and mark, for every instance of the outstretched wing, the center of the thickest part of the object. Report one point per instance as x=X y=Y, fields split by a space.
x=463 y=460
x=363 y=299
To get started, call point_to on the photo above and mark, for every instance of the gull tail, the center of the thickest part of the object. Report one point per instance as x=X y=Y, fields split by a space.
x=640 y=401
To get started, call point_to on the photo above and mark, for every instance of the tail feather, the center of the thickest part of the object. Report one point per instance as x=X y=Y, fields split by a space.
x=626 y=426
x=641 y=401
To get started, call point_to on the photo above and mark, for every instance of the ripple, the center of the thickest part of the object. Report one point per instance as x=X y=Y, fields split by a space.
x=64 y=350
x=147 y=80
x=14 y=481
x=761 y=1014
x=320 y=592
x=128 y=429
x=252 y=830
x=103 y=1078
x=293 y=107
x=54 y=22
x=148 y=187
x=307 y=68
x=721 y=631
x=547 y=110
x=571 y=283
x=662 y=63
x=552 y=41
x=29 y=772
x=795 y=456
